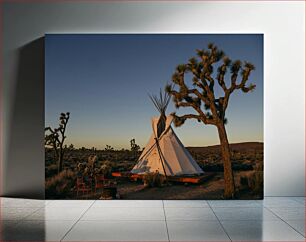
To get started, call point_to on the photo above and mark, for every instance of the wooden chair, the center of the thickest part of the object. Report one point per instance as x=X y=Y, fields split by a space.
x=82 y=187
x=109 y=188
x=99 y=182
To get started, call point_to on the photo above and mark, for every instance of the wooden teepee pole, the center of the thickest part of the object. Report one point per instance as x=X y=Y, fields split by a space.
x=160 y=156
x=161 y=104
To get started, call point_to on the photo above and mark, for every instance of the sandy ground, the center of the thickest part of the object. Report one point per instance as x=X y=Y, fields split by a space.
x=212 y=189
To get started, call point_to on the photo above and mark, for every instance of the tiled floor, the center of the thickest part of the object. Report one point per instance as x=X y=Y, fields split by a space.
x=274 y=219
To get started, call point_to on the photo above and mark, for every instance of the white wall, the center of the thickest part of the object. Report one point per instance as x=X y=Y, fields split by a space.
x=282 y=23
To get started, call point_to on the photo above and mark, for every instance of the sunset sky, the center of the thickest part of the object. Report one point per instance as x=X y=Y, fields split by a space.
x=104 y=80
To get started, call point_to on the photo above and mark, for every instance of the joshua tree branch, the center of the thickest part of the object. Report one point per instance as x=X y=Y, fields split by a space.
x=245 y=76
x=199 y=95
x=187 y=116
x=222 y=70
x=53 y=134
x=212 y=83
x=206 y=86
x=202 y=116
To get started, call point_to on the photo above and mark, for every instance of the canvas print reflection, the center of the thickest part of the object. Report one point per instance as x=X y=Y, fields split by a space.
x=154 y=116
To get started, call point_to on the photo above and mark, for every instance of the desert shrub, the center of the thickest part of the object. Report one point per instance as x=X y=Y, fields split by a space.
x=153 y=179
x=51 y=170
x=242 y=166
x=125 y=165
x=60 y=185
x=254 y=180
x=92 y=160
x=258 y=178
x=244 y=181
x=106 y=169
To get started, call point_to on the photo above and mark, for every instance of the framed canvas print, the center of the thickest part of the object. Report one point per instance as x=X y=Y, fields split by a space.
x=154 y=116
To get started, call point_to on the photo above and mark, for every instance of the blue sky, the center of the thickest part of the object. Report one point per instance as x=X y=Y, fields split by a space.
x=103 y=80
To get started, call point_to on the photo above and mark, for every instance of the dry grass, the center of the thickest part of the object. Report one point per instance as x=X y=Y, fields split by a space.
x=253 y=181
x=60 y=185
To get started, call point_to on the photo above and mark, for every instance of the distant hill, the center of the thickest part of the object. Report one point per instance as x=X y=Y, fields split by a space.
x=245 y=156
x=241 y=147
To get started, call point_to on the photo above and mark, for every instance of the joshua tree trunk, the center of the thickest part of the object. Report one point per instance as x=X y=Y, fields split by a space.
x=56 y=156
x=229 y=183
x=60 y=161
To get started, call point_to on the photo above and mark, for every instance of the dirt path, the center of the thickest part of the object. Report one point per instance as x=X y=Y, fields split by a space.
x=212 y=189
x=208 y=190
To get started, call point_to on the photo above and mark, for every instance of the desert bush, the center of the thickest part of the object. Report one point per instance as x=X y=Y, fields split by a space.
x=106 y=169
x=258 y=178
x=153 y=179
x=124 y=165
x=60 y=185
x=254 y=180
x=92 y=160
x=51 y=170
x=244 y=181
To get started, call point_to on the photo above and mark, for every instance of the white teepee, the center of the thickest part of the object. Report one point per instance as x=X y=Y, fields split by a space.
x=165 y=153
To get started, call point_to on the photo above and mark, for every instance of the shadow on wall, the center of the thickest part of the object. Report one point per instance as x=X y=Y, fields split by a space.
x=24 y=169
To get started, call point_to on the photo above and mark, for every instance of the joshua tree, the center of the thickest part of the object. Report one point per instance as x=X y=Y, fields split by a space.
x=56 y=138
x=71 y=147
x=202 y=98
x=109 y=148
x=134 y=147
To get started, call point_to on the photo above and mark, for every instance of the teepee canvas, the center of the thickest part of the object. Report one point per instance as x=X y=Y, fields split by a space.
x=164 y=152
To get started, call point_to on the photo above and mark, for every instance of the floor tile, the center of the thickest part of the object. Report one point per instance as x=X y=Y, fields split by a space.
x=58 y=213
x=4 y=224
x=281 y=202
x=298 y=225
x=185 y=203
x=244 y=214
x=118 y=231
x=138 y=220
x=128 y=203
x=124 y=214
x=39 y=230
x=16 y=213
x=261 y=231
x=70 y=203
x=235 y=203
x=189 y=214
x=7 y=227
x=196 y=231
x=300 y=200
x=290 y=213
x=22 y=203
